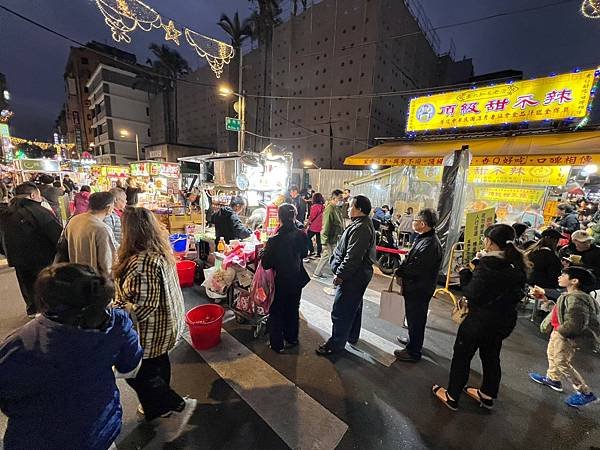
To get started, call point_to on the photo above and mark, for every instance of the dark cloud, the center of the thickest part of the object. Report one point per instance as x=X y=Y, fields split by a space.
x=552 y=40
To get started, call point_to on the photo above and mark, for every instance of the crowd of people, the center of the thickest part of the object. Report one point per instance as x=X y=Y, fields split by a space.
x=106 y=283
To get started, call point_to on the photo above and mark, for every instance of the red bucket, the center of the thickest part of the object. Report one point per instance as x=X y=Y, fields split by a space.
x=204 y=323
x=186 y=271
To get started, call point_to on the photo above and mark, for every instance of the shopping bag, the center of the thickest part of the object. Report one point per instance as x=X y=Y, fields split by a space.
x=460 y=310
x=391 y=305
x=263 y=289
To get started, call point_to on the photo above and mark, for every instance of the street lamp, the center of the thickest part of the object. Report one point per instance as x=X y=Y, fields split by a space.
x=307 y=163
x=125 y=133
x=226 y=91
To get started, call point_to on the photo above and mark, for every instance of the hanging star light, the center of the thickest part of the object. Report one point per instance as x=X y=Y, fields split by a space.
x=171 y=32
x=124 y=16
x=217 y=53
x=591 y=9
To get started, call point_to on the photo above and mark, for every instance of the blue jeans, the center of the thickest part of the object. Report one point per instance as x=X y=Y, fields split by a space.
x=347 y=310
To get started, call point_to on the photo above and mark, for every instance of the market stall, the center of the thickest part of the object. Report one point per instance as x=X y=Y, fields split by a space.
x=107 y=177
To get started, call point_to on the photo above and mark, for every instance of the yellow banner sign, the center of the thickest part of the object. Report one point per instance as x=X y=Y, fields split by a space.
x=551 y=98
x=509 y=195
x=520 y=175
x=475 y=226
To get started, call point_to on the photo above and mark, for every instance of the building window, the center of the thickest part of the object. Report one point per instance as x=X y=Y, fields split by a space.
x=84 y=60
x=148 y=113
x=149 y=132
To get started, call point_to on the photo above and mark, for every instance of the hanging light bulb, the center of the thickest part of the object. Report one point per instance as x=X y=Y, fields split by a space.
x=591 y=9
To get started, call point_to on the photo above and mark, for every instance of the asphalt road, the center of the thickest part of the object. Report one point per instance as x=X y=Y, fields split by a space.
x=249 y=397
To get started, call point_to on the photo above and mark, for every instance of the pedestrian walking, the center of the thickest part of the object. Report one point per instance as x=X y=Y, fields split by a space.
x=493 y=291
x=298 y=201
x=114 y=219
x=81 y=202
x=418 y=275
x=51 y=193
x=315 y=224
x=284 y=253
x=68 y=184
x=573 y=319
x=57 y=384
x=88 y=240
x=333 y=227
x=29 y=234
x=352 y=265
x=148 y=287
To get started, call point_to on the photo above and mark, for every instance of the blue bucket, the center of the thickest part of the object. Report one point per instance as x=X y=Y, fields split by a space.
x=178 y=242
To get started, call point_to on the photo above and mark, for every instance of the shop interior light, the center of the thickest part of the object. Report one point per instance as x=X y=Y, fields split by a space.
x=374 y=166
x=225 y=91
x=590 y=169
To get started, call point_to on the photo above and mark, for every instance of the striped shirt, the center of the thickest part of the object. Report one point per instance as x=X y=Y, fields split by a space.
x=151 y=285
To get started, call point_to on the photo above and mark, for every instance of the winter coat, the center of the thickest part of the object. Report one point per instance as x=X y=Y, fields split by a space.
x=333 y=224
x=578 y=315
x=284 y=253
x=228 y=225
x=419 y=271
x=300 y=205
x=52 y=195
x=28 y=234
x=546 y=268
x=355 y=251
x=132 y=195
x=114 y=223
x=82 y=202
x=315 y=218
x=46 y=366
x=493 y=291
x=569 y=223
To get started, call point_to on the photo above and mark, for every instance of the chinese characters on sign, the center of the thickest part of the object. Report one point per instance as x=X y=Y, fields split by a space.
x=532 y=160
x=551 y=98
x=517 y=175
x=145 y=169
x=509 y=195
x=475 y=226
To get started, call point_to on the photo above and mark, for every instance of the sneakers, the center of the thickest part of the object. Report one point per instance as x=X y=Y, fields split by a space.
x=541 y=379
x=171 y=427
x=579 y=399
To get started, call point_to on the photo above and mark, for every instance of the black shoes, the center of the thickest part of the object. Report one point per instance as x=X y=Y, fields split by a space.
x=324 y=350
x=404 y=356
x=402 y=341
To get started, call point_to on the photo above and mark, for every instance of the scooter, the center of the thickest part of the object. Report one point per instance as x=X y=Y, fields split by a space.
x=388 y=252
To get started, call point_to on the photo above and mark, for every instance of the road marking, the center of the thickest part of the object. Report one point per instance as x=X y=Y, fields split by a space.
x=378 y=348
x=298 y=419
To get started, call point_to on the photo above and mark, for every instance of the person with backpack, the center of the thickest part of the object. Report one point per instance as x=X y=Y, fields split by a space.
x=574 y=318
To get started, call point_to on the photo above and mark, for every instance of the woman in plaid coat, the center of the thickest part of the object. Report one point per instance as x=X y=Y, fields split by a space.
x=147 y=286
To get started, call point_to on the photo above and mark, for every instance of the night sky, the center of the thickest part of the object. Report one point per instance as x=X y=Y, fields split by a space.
x=555 y=39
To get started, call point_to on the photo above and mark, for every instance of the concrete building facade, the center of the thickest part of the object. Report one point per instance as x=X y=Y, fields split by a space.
x=119 y=107
x=327 y=66
x=81 y=64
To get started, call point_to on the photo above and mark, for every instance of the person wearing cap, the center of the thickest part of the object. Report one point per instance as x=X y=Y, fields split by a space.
x=57 y=382
x=546 y=263
x=582 y=252
x=567 y=221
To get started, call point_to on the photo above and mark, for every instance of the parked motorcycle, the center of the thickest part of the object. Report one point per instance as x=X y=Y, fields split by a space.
x=388 y=252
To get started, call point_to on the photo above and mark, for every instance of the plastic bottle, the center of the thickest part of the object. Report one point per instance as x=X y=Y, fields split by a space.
x=221 y=245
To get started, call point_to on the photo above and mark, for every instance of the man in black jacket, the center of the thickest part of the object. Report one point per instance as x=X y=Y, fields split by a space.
x=298 y=201
x=227 y=222
x=568 y=221
x=418 y=274
x=28 y=234
x=352 y=265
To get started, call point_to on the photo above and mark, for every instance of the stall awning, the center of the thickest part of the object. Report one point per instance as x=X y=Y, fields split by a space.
x=553 y=149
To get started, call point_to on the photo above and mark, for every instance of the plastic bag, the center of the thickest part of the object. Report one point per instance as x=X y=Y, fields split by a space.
x=263 y=290
x=216 y=281
x=239 y=257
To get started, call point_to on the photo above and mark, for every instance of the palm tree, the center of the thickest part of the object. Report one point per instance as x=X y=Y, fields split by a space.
x=238 y=32
x=169 y=65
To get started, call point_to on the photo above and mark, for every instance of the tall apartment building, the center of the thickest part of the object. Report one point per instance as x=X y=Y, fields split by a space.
x=326 y=67
x=81 y=64
x=119 y=106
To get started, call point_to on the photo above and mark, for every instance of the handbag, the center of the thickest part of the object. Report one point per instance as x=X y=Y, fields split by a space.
x=391 y=305
x=460 y=310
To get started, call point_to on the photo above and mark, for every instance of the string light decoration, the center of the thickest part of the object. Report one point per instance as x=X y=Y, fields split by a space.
x=217 y=53
x=591 y=9
x=171 y=32
x=125 y=16
x=43 y=145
